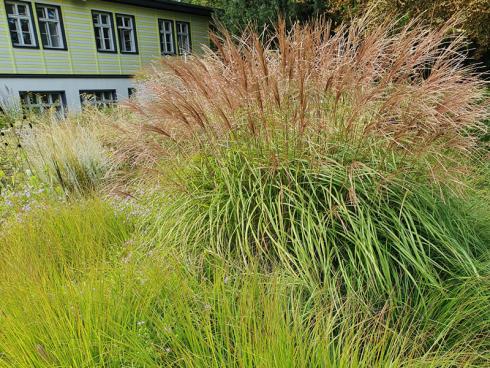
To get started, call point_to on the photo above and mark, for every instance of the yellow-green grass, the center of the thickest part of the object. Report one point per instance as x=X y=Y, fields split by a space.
x=80 y=287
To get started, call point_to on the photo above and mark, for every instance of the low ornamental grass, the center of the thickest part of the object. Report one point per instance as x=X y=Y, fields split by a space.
x=78 y=291
x=67 y=153
x=327 y=221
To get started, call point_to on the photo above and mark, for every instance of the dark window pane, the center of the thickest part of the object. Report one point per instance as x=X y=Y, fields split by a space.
x=56 y=42
x=53 y=29
x=12 y=25
x=52 y=13
x=44 y=38
x=27 y=38
x=15 y=38
x=22 y=9
x=24 y=23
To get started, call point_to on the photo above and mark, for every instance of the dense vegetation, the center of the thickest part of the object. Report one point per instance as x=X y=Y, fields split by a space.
x=473 y=15
x=304 y=199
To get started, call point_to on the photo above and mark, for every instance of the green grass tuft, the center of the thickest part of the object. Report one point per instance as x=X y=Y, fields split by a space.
x=386 y=228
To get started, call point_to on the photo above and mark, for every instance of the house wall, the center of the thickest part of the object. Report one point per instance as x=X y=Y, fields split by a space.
x=10 y=88
x=82 y=56
x=81 y=66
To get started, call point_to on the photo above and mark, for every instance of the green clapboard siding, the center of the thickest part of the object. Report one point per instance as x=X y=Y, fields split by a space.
x=82 y=56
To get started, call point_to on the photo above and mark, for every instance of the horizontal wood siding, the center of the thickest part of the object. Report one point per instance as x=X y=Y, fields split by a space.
x=82 y=56
x=7 y=64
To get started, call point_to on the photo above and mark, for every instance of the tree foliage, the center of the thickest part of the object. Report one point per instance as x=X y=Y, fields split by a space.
x=235 y=15
x=474 y=15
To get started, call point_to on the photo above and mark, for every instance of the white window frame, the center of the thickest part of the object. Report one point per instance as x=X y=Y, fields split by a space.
x=44 y=22
x=32 y=101
x=127 y=25
x=99 y=27
x=17 y=17
x=180 y=37
x=98 y=97
x=166 y=27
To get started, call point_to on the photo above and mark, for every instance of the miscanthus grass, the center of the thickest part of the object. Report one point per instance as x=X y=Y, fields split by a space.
x=340 y=153
x=345 y=159
x=320 y=222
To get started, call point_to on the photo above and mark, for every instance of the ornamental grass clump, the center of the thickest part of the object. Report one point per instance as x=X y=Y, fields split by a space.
x=407 y=85
x=67 y=154
x=328 y=153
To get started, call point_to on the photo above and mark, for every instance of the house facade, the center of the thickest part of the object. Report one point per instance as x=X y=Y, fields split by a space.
x=63 y=54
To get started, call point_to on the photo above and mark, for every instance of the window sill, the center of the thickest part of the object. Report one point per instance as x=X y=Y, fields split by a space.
x=107 y=52
x=26 y=47
x=55 y=48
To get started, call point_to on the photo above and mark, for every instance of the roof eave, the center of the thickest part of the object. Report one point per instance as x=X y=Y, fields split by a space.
x=168 y=5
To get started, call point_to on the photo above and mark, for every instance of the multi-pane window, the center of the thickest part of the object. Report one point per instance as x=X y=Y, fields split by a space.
x=167 y=45
x=99 y=98
x=183 y=37
x=50 y=26
x=127 y=33
x=104 y=31
x=21 y=24
x=39 y=102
